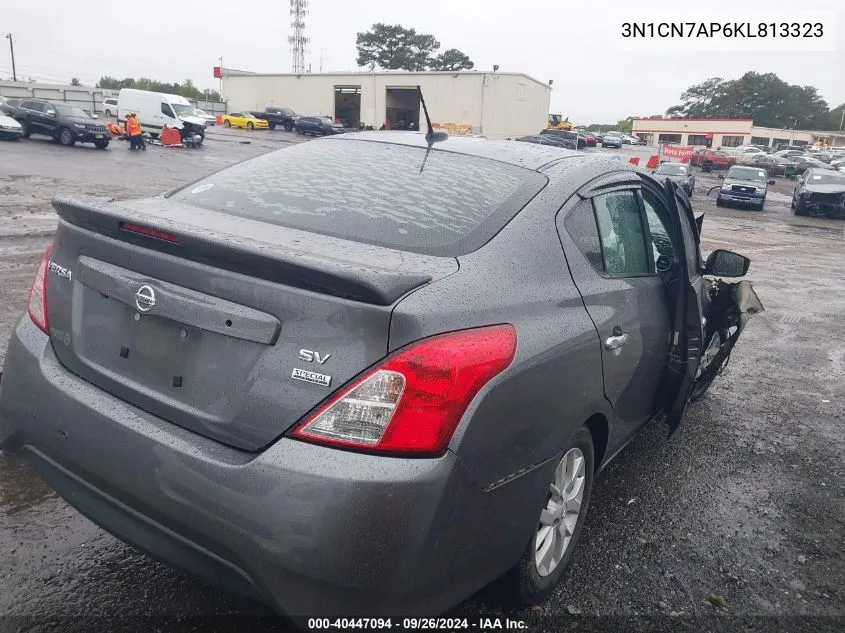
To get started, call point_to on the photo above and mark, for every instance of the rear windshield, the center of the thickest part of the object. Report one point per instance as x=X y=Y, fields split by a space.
x=391 y=195
x=672 y=170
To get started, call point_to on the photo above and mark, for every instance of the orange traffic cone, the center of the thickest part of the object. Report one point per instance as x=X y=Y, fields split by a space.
x=634 y=160
x=653 y=161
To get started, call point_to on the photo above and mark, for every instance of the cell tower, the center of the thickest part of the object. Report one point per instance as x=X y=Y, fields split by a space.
x=298 y=10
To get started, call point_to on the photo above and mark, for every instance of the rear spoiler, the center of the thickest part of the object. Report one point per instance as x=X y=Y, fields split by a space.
x=276 y=262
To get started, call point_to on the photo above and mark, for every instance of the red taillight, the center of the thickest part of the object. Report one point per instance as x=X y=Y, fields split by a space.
x=148 y=232
x=413 y=400
x=37 y=303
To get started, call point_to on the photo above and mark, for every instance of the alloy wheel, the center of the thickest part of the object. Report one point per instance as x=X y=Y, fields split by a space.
x=560 y=516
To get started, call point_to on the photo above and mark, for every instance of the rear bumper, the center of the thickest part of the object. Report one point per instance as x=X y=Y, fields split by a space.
x=306 y=529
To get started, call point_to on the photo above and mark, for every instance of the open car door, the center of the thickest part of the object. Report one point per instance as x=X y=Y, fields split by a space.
x=685 y=309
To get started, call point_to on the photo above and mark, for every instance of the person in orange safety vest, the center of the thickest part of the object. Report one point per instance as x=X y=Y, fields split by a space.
x=134 y=132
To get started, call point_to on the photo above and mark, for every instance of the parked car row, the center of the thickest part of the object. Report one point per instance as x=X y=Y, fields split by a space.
x=65 y=123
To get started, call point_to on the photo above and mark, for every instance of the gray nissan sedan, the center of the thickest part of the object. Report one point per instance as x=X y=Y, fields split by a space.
x=377 y=387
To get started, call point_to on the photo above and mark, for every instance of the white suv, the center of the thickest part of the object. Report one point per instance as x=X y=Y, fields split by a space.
x=110 y=107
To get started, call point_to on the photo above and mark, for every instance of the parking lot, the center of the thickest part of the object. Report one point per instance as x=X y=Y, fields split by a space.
x=739 y=514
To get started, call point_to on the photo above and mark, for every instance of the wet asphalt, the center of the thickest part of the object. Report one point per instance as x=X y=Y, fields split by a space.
x=736 y=522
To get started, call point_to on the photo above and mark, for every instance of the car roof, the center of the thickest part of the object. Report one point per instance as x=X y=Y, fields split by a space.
x=527 y=155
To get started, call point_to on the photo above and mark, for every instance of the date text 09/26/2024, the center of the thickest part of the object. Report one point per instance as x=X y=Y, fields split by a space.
x=415 y=624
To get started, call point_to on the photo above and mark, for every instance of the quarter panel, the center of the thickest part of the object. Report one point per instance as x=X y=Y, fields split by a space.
x=554 y=384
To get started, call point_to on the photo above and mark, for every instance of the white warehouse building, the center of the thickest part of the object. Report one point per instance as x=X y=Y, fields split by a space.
x=493 y=104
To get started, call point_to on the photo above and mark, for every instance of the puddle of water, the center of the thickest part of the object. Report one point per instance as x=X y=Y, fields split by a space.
x=21 y=489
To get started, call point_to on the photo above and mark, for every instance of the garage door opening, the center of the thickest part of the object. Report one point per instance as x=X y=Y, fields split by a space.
x=402 y=108
x=347 y=105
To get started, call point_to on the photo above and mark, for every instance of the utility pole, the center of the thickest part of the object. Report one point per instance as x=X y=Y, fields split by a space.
x=841 y=119
x=298 y=40
x=12 y=48
x=323 y=50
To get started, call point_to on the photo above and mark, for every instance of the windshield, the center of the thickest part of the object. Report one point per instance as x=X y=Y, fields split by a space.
x=831 y=178
x=198 y=112
x=438 y=203
x=672 y=170
x=745 y=173
x=183 y=110
x=70 y=111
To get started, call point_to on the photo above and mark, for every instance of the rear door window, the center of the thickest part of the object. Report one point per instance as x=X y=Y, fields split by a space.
x=580 y=223
x=437 y=202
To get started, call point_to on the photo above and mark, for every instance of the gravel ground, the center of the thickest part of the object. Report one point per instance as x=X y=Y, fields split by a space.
x=737 y=522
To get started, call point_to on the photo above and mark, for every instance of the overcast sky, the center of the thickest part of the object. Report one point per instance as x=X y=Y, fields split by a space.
x=570 y=41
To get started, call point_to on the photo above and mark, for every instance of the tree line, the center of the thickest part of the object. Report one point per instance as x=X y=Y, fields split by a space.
x=394 y=47
x=765 y=98
x=186 y=89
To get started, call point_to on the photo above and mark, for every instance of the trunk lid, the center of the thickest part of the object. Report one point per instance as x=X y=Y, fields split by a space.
x=229 y=327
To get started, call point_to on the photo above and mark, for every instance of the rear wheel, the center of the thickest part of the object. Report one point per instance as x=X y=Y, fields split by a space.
x=558 y=527
x=66 y=137
x=249 y=125
x=108 y=112
x=24 y=130
x=288 y=126
x=227 y=123
x=272 y=126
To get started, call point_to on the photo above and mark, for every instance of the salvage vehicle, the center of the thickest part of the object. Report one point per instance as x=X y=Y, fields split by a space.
x=66 y=124
x=317 y=126
x=158 y=110
x=774 y=165
x=714 y=159
x=345 y=397
x=820 y=192
x=548 y=139
x=612 y=139
x=744 y=185
x=110 y=106
x=575 y=138
x=8 y=106
x=9 y=128
x=274 y=115
x=802 y=163
x=244 y=120
x=680 y=173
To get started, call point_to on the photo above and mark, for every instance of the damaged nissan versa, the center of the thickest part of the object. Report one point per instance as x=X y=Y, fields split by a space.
x=376 y=395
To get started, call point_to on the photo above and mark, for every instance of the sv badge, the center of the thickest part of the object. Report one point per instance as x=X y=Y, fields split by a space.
x=310 y=356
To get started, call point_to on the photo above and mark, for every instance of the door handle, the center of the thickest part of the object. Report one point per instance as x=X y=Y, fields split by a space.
x=615 y=343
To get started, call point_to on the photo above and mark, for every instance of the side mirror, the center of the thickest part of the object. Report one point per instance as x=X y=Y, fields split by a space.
x=772 y=181
x=721 y=176
x=723 y=263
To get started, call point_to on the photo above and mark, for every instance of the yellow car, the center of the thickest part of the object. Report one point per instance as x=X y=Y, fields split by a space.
x=244 y=119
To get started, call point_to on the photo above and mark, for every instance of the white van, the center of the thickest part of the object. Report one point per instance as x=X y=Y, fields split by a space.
x=154 y=110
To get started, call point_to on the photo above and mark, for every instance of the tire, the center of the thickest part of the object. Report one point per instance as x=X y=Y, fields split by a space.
x=101 y=144
x=24 y=130
x=761 y=205
x=249 y=125
x=701 y=387
x=272 y=126
x=66 y=137
x=227 y=123
x=288 y=126
x=528 y=582
x=719 y=202
x=792 y=202
x=108 y=113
